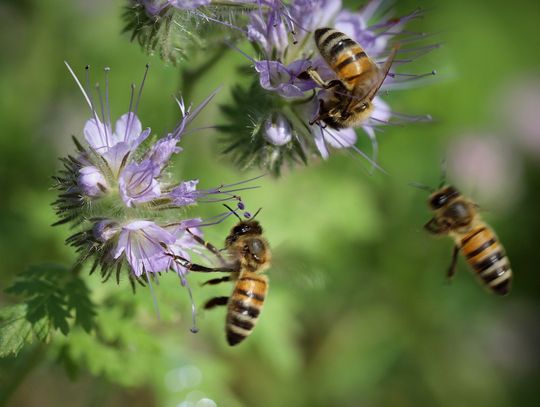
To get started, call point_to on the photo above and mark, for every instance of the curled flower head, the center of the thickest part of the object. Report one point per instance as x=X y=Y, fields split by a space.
x=115 y=192
x=283 y=37
x=178 y=29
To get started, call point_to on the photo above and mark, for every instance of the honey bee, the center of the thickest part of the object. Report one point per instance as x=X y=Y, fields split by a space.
x=349 y=101
x=457 y=216
x=250 y=256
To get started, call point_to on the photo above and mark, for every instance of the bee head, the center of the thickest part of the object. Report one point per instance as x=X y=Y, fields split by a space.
x=243 y=228
x=247 y=227
x=443 y=197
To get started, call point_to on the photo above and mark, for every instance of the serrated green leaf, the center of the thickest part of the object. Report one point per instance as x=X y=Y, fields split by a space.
x=42 y=329
x=49 y=298
x=78 y=299
x=15 y=329
x=58 y=313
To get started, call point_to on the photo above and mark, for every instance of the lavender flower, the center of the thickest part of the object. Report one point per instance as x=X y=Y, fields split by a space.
x=115 y=192
x=282 y=37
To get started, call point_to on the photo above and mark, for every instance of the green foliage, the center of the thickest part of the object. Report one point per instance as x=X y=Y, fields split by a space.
x=53 y=296
x=15 y=329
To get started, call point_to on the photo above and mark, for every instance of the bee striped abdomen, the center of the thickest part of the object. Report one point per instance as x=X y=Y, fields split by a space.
x=486 y=256
x=345 y=56
x=244 y=306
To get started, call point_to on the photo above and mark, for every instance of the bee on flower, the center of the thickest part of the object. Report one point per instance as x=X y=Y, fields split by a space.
x=321 y=71
x=116 y=192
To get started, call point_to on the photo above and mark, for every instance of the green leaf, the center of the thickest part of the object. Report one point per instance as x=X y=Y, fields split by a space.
x=58 y=313
x=15 y=329
x=78 y=299
x=51 y=292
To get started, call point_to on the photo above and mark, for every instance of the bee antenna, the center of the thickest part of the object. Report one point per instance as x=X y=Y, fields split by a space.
x=256 y=213
x=421 y=186
x=232 y=211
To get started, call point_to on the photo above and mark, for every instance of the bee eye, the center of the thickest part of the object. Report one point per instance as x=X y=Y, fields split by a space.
x=438 y=201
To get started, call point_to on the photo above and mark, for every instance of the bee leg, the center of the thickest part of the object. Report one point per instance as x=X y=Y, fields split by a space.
x=198 y=267
x=315 y=77
x=216 y=302
x=215 y=281
x=213 y=249
x=452 y=269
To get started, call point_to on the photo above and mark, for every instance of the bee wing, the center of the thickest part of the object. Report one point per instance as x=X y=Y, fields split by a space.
x=369 y=90
x=291 y=268
x=383 y=73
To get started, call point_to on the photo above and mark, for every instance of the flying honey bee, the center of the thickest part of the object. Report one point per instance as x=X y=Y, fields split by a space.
x=457 y=216
x=249 y=256
x=349 y=101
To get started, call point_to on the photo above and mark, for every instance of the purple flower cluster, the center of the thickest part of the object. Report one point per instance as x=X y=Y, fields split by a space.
x=285 y=125
x=119 y=191
x=282 y=35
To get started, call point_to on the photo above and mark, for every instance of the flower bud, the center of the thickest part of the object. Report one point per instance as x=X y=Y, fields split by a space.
x=92 y=182
x=277 y=132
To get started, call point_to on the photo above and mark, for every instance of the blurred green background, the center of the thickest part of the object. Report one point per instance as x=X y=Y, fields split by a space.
x=359 y=313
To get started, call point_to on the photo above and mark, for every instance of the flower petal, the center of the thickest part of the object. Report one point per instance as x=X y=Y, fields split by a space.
x=382 y=111
x=138 y=184
x=320 y=142
x=161 y=152
x=91 y=181
x=185 y=193
x=127 y=128
x=141 y=242
x=275 y=76
x=97 y=135
x=341 y=138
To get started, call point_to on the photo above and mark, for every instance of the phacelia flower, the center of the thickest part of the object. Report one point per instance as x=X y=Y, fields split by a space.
x=178 y=29
x=282 y=36
x=117 y=193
